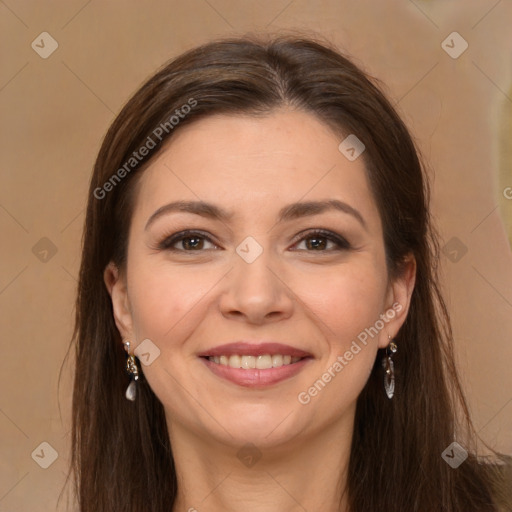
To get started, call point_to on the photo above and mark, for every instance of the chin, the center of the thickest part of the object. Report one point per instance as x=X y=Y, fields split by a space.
x=263 y=425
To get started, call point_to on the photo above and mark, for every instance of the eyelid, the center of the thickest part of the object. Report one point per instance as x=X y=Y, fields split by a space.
x=168 y=241
x=341 y=243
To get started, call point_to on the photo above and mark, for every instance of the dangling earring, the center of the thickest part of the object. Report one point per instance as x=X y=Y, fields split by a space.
x=387 y=363
x=131 y=368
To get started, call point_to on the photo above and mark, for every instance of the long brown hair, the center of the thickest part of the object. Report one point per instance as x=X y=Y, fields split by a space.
x=121 y=453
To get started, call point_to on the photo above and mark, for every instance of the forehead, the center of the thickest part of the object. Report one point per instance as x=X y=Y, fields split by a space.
x=246 y=163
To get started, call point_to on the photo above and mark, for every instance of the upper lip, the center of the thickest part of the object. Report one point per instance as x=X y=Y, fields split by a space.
x=247 y=348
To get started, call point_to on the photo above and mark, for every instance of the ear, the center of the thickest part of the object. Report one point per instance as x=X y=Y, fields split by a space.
x=115 y=281
x=398 y=301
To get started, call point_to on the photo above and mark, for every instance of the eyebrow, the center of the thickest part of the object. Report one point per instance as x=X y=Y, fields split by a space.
x=287 y=213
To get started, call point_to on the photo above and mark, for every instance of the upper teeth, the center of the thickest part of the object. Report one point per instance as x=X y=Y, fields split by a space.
x=260 y=362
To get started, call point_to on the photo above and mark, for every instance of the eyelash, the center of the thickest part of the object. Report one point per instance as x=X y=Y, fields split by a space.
x=167 y=243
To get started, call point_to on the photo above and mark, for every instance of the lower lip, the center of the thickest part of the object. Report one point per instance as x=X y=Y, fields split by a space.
x=254 y=378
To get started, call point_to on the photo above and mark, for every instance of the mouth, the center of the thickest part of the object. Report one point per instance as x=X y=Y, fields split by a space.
x=260 y=362
x=255 y=365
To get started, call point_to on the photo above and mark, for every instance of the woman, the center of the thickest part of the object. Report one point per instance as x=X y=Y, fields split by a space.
x=258 y=254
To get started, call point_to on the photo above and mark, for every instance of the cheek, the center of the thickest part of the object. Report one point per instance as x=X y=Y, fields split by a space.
x=344 y=302
x=349 y=309
x=162 y=297
x=350 y=302
x=343 y=309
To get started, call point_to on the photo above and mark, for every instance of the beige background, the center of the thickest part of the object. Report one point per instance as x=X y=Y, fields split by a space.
x=55 y=111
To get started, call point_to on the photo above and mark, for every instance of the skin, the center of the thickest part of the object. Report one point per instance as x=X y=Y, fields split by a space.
x=316 y=299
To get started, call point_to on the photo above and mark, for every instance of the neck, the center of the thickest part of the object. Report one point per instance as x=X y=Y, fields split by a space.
x=306 y=473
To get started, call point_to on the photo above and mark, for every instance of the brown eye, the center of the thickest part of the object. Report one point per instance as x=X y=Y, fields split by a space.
x=190 y=240
x=318 y=240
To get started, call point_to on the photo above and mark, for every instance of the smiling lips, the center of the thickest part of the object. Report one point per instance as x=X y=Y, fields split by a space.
x=255 y=365
x=263 y=362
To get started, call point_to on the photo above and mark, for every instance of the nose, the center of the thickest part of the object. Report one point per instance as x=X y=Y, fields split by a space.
x=256 y=292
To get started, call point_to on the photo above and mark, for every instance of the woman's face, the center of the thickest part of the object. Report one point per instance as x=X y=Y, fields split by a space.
x=259 y=275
